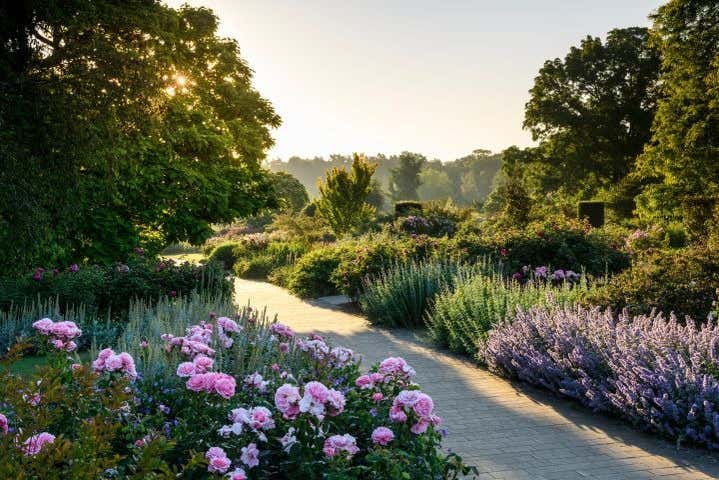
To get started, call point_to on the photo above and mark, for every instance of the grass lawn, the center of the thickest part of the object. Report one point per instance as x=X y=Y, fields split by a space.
x=27 y=365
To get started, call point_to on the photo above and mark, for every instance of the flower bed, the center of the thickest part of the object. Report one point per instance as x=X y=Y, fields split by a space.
x=657 y=373
x=235 y=397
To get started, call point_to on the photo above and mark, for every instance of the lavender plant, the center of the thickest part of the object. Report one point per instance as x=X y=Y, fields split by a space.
x=658 y=373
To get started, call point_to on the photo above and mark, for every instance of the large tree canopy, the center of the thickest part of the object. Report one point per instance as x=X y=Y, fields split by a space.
x=122 y=123
x=405 y=179
x=592 y=111
x=683 y=155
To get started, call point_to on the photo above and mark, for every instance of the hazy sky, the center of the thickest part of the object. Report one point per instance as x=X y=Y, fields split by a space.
x=437 y=77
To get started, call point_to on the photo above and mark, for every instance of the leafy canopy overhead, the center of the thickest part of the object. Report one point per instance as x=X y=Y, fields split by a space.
x=123 y=123
x=682 y=156
x=592 y=111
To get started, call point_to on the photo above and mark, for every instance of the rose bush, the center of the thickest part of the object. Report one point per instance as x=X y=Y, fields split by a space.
x=212 y=410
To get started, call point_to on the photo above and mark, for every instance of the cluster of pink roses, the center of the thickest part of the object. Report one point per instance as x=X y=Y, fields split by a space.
x=256 y=381
x=227 y=326
x=257 y=419
x=217 y=460
x=282 y=331
x=213 y=382
x=108 y=361
x=199 y=364
x=336 y=444
x=318 y=400
x=61 y=333
x=33 y=445
x=414 y=401
x=196 y=342
x=397 y=368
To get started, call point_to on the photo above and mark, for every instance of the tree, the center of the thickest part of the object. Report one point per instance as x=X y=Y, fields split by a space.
x=681 y=159
x=343 y=195
x=289 y=191
x=592 y=111
x=376 y=196
x=404 y=180
x=510 y=196
x=434 y=185
x=123 y=124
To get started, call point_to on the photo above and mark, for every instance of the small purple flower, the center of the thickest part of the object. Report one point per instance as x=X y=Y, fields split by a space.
x=74 y=267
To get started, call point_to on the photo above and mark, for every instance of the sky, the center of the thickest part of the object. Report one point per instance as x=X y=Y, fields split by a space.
x=440 y=77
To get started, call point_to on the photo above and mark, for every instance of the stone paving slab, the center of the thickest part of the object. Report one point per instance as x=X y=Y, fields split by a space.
x=509 y=431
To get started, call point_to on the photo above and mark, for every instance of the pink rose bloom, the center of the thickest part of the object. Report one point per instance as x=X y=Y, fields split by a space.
x=237 y=474
x=396 y=414
x=225 y=386
x=282 y=330
x=317 y=391
x=144 y=344
x=113 y=363
x=219 y=464
x=228 y=325
x=341 y=356
x=255 y=380
x=202 y=363
x=261 y=418
x=186 y=369
x=43 y=326
x=407 y=398
x=196 y=383
x=287 y=399
x=420 y=427
x=215 y=452
x=65 y=330
x=336 y=402
x=377 y=397
x=75 y=367
x=284 y=347
x=34 y=444
x=250 y=455
x=3 y=424
x=376 y=377
x=398 y=367
x=70 y=346
x=58 y=344
x=382 y=435
x=364 y=382
x=423 y=406
x=313 y=401
x=336 y=444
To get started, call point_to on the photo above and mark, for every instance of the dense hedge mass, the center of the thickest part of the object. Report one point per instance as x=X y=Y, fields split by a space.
x=684 y=281
x=100 y=289
x=657 y=373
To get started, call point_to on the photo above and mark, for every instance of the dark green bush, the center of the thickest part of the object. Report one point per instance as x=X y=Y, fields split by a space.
x=408 y=207
x=224 y=254
x=593 y=212
x=259 y=264
x=110 y=288
x=311 y=275
x=680 y=281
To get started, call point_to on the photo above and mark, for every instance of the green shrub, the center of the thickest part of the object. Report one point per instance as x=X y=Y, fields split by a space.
x=400 y=295
x=225 y=254
x=258 y=265
x=407 y=207
x=310 y=276
x=680 y=281
x=102 y=289
x=464 y=313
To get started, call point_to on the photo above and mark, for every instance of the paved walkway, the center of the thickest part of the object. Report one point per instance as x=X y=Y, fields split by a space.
x=509 y=431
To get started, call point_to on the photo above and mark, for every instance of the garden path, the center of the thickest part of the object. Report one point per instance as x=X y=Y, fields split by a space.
x=508 y=430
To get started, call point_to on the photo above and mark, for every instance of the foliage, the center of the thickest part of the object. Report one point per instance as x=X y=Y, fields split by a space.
x=289 y=191
x=172 y=403
x=302 y=227
x=405 y=180
x=680 y=160
x=224 y=254
x=659 y=374
x=87 y=436
x=310 y=277
x=465 y=312
x=681 y=281
x=102 y=290
x=259 y=265
x=400 y=295
x=124 y=124
x=343 y=196
x=592 y=112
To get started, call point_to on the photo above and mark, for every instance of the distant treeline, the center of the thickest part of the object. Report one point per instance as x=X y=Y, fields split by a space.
x=467 y=180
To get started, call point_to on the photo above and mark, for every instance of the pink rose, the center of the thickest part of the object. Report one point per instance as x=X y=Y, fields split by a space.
x=203 y=363
x=423 y=405
x=382 y=435
x=219 y=464
x=225 y=386
x=237 y=474
x=420 y=427
x=250 y=455
x=196 y=383
x=34 y=444
x=186 y=369
x=3 y=424
x=377 y=397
